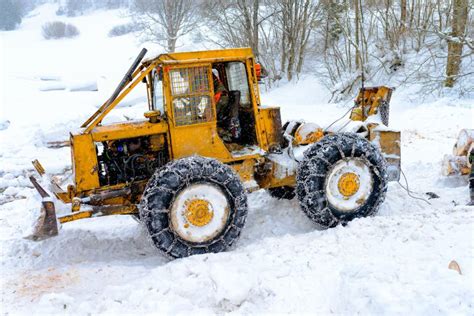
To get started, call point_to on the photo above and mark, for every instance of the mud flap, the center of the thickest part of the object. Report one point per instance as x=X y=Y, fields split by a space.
x=46 y=225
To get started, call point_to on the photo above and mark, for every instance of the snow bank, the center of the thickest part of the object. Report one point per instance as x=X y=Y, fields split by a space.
x=52 y=86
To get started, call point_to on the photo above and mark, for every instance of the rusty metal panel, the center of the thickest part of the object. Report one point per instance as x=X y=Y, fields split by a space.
x=245 y=169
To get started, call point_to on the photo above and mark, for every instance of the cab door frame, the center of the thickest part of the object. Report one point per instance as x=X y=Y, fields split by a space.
x=196 y=138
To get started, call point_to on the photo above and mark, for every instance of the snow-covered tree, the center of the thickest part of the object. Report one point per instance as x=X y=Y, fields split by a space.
x=10 y=14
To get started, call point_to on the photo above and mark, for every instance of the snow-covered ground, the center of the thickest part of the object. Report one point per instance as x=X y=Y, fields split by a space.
x=393 y=263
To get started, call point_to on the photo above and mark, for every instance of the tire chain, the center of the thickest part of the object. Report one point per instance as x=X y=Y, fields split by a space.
x=168 y=181
x=315 y=165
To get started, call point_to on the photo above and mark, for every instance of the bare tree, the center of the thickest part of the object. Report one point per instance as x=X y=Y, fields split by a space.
x=357 y=27
x=455 y=41
x=296 y=22
x=235 y=22
x=250 y=10
x=350 y=39
x=165 y=21
x=403 y=15
x=330 y=28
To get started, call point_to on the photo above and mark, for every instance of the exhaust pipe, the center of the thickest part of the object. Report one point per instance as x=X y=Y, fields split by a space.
x=46 y=225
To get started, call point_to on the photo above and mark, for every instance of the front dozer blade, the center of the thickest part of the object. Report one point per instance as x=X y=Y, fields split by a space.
x=46 y=224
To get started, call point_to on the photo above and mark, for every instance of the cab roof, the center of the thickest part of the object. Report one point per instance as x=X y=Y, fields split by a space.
x=218 y=55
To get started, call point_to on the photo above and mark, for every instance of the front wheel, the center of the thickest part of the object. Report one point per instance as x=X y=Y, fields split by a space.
x=341 y=177
x=192 y=206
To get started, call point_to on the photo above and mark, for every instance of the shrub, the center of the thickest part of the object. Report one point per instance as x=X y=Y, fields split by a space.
x=122 y=29
x=57 y=29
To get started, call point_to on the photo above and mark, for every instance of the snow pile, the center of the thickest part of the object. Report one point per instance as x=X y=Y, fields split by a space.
x=393 y=263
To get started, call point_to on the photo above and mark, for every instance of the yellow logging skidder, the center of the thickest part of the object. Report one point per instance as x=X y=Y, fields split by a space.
x=205 y=141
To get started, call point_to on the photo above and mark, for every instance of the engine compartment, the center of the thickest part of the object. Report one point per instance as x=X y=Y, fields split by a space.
x=131 y=159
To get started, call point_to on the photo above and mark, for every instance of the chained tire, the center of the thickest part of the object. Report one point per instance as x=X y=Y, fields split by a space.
x=341 y=177
x=194 y=205
x=282 y=193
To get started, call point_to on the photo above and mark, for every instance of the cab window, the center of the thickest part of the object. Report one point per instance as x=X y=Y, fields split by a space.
x=158 y=100
x=191 y=95
x=237 y=79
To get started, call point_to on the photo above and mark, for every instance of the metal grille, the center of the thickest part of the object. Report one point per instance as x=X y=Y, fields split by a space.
x=191 y=95
x=192 y=110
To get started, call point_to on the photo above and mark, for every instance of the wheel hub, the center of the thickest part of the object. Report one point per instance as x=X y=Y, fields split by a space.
x=198 y=212
x=348 y=184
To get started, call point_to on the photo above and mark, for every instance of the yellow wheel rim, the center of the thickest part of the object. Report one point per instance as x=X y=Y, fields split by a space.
x=348 y=184
x=198 y=212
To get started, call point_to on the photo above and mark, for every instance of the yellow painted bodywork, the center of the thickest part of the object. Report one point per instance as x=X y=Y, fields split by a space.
x=311 y=137
x=84 y=153
x=165 y=131
x=389 y=141
x=389 y=144
x=271 y=122
x=368 y=103
x=39 y=168
x=201 y=139
x=245 y=168
x=181 y=141
x=112 y=210
x=85 y=165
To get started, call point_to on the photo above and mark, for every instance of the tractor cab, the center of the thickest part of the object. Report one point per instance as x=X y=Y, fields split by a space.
x=213 y=94
x=185 y=117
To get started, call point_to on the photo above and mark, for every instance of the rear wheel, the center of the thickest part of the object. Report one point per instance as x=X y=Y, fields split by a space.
x=342 y=177
x=194 y=205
